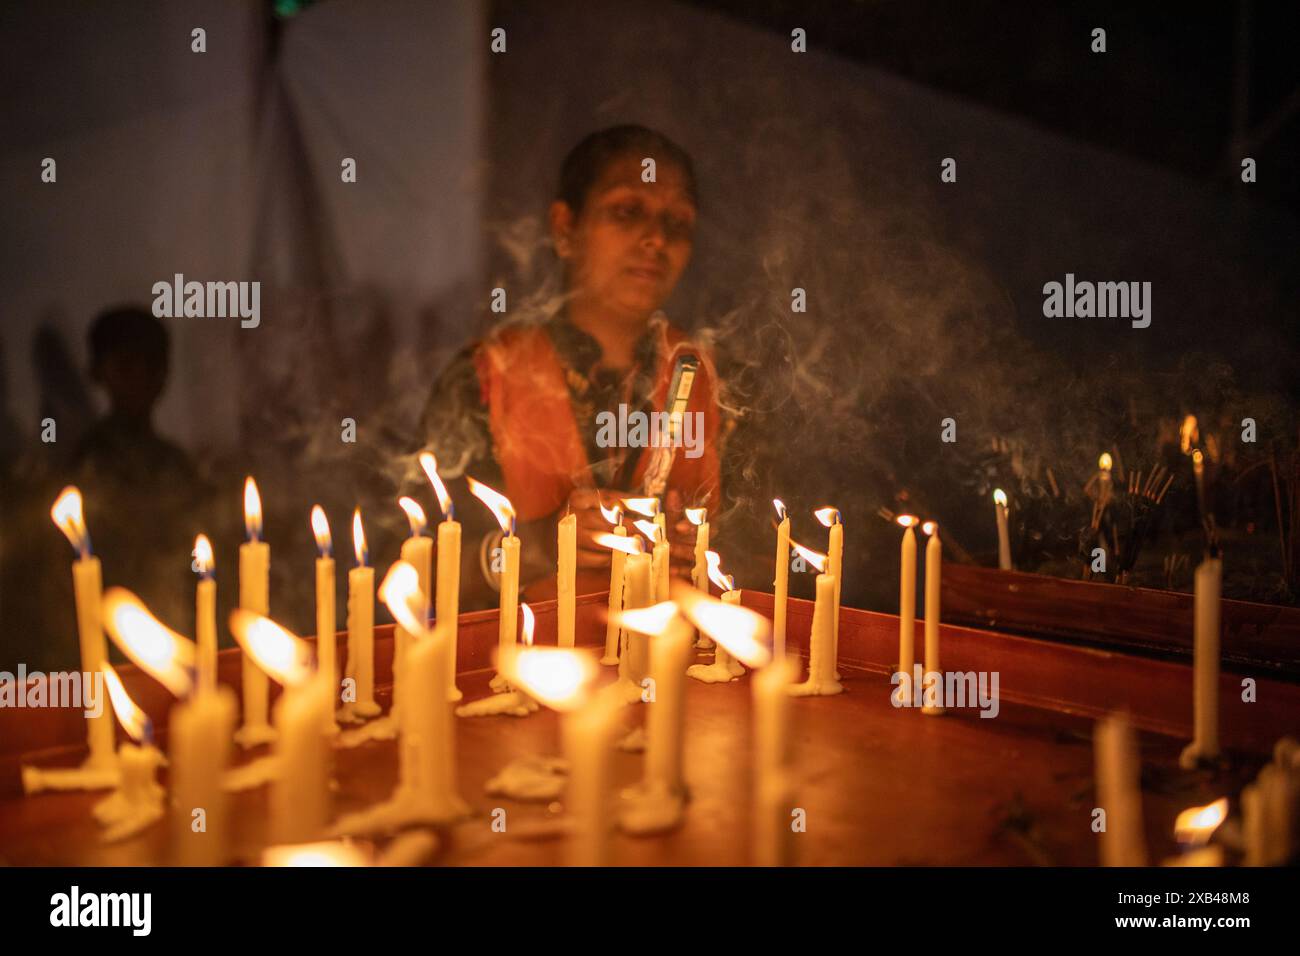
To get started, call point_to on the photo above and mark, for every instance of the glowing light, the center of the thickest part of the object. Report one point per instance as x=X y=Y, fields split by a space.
x=647 y=528
x=359 y=539
x=648 y=620
x=930 y=527
x=697 y=516
x=204 y=561
x=815 y=558
x=133 y=720
x=619 y=542
x=320 y=527
x=327 y=853
x=999 y=497
x=156 y=649
x=530 y=623
x=908 y=521
x=400 y=591
x=497 y=503
x=1189 y=434
x=828 y=516
x=67 y=514
x=556 y=676
x=613 y=515
x=1104 y=462
x=741 y=631
x=779 y=505
x=725 y=582
x=285 y=657
x=1196 y=825
x=649 y=507
x=414 y=515
x=430 y=466
x=252 y=510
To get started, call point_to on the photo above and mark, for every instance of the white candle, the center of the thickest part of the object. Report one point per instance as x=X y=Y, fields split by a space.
x=447 y=596
x=821 y=656
x=1119 y=794
x=773 y=845
x=254 y=596
x=700 y=570
x=634 y=662
x=670 y=652
x=781 y=581
x=906 y=610
x=1205 y=663
x=417 y=551
x=205 y=613
x=138 y=800
x=508 y=610
x=326 y=644
x=932 y=698
x=588 y=735
x=830 y=517
x=725 y=666
x=430 y=732
x=87 y=590
x=566 y=579
x=198 y=746
x=1004 y=536
x=616 y=580
x=361 y=625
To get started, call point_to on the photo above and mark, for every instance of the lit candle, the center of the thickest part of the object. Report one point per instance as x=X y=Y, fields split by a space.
x=1004 y=537
x=725 y=666
x=87 y=587
x=447 y=597
x=821 y=655
x=773 y=843
x=361 y=625
x=1193 y=829
x=782 y=579
x=634 y=661
x=932 y=683
x=326 y=646
x=1205 y=664
x=657 y=804
x=205 y=612
x=1119 y=793
x=201 y=724
x=1103 y=489
x=513 y=702
x=700 y=571
x=566 y=580
x=138 y=800
x=906 y=611
x=618 y=556
x=831 y=518
x=658 y=558
x=508 y=613
x=300 y=791
x=254 y=597
x=417 y=551
x=428 y=790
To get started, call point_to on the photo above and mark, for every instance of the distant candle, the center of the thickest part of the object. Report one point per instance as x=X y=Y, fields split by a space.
x=205 y=612
x=1004 y=537
x=254 y=596
x=508 y=610
x=326 y=646
x=618 y=556
x=447 y=596
x=417 y=551
x=1208 y=585
x=932 y=683
x=830 y=518
x=906 y=610
x=821 y=654
x=781 y=581
x=700 y=570
x=566 y=580
x=361 y=626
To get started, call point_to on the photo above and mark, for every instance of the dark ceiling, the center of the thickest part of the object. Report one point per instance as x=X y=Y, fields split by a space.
x=1167 y=89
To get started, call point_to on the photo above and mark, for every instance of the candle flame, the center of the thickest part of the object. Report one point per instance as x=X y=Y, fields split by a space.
x=327 y=853
x=1104 y=462
x=828 y=516
x=738 y=629
x=815 y=558
x=1198 y=462
x=652 y=620
x=203 y=557
x=999 y=497
x=613 y=515
x=725 y=582
x=252 y=510
x=930 y=527
x=284 y=657
x=67 y=514
x=359 y=539
x=647 y=528
x=530 y=623
x=133 y=720
x=400 y=590
x=908 y=521
x=1196 y=825
x=414 y=515
x=619 y=542
x=497 y=503
x=430 y=466
x=697 y=516
x=779 y=505
x=155 y=648
x=556 y=676
x=649 y=507
x=320 y=526
x=1189 y=434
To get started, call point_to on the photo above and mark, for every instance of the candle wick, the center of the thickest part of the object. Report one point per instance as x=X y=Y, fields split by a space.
x=451 y=511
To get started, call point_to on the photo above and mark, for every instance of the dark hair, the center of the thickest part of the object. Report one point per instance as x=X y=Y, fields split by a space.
x=586 y=161
x=127 y=328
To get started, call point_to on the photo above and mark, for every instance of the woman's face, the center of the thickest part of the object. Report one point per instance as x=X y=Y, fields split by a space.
x=626 y=251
